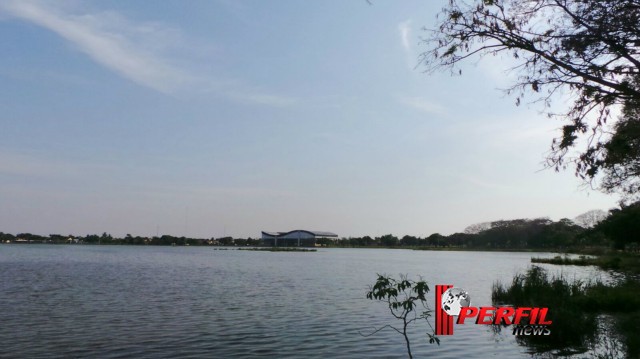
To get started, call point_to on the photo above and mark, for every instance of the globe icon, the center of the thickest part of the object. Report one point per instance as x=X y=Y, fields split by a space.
x=454 y=299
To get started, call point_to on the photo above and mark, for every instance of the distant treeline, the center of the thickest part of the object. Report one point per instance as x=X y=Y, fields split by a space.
x=105 y=238
x=620 y=228
x=539 y=233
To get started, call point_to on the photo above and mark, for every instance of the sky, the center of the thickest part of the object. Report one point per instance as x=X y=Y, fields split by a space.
x=229 y=117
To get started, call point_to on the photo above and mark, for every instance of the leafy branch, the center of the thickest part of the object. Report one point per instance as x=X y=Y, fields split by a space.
x=586 y=50
x=407 y=303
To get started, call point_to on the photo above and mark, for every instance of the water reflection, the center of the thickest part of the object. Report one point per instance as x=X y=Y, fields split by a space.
x=113 y=301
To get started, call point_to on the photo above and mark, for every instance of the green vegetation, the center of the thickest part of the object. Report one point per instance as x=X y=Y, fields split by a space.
x=585 y=49
x=573 y=308
x=591 y=233
x=519 y=234
x=407 y=303
x=560 y=260
x=279 y=249
x=108 y=239
x=622 y=226
x=626 y=262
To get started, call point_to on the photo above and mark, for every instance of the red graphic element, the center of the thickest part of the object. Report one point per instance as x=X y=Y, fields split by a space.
x=505 y=315
x=444 y=322
x=523 y=318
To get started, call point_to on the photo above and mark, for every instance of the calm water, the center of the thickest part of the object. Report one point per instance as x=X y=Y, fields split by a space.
x=194 y=302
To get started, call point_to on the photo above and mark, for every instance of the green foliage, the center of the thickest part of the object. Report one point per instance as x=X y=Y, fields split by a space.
x=4 y=237
x=517 y=234
x=572 y=328
x=240 y=242
x=625 y=262
x=409 y=241
x=389 y=240
x=525 y=233
x=407 y=303
x=30 y=237
x=573 y=306
x=621 y=164
x=226 y=241
x=622 y=226
x=559 y=260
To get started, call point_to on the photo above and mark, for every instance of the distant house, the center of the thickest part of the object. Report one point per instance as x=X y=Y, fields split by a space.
x=296 y=238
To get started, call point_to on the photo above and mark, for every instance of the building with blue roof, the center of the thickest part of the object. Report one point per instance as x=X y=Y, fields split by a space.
x=295 y=238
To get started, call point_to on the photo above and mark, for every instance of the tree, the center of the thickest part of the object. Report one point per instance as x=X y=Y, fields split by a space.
x=623 y=225
x=402 y=297
x=253 y=242
x=408 y=240
x=477 y=228
x=586 y=49
x=240 y=242
x=622 y=162
x=368 y=241
x=591 y=218
x=6 y=237
x=516 y=233
x=389 y=240
x=106 y=237
x=436 y=239
x=558 y=234
x=226 y=241
x=30 y=237
x=92 y=238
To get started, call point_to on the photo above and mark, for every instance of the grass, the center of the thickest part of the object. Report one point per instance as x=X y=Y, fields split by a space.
x=573 y=308
x=560 y=260
x=621 y=261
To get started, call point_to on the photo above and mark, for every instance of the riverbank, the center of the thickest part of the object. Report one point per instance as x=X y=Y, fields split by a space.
x=618 y=261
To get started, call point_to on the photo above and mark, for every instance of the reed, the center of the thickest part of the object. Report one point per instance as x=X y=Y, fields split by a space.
x=574 y=307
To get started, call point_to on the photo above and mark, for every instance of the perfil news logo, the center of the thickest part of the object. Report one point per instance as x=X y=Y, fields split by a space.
x=452 y=301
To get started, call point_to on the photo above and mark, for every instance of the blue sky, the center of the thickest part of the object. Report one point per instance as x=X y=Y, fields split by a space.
x=205 y=118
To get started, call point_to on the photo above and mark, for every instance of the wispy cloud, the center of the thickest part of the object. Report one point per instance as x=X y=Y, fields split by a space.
x=107 y=38
x=258 y=98
x=147 y=53
x=404 y=28
x=405 y=31
x=42 y=166
x=245 y=93
x=480 y=183
x=423 y=105
x=220 y=192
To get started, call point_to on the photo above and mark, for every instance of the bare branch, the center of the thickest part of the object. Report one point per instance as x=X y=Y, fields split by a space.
x=588 y=50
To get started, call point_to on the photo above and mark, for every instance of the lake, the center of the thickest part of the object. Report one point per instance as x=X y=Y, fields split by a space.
x=192 y=302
